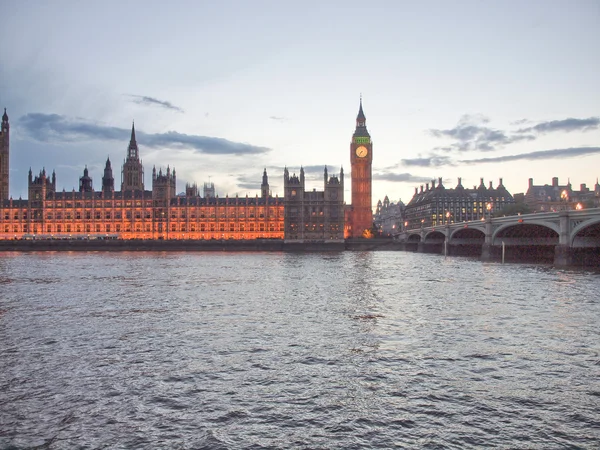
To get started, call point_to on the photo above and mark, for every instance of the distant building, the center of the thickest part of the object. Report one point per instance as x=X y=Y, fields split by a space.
x=314 y=215
x=389 y=217
x=556 y=197
x=436 y=205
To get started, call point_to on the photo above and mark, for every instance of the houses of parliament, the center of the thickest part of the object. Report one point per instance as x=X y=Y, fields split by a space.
x=134 y=212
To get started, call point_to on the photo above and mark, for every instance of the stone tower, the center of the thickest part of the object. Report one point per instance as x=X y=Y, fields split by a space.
x=264 y=187
x=132 y=176
x=39 y=187
x=361 y=159
x=85 y=182
x=163 y=186
x=108 y=181
x=4 y=157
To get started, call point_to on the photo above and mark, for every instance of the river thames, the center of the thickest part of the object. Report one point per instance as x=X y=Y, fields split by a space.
x=290 y=350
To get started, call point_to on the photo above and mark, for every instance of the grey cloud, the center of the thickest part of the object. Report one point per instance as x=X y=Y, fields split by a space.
x=279 y=119
x=542 y=154
x=469 y=134
x=566 y=125
x=520 y=122
x=430 y=161
x=145 y=100
x=60 y=129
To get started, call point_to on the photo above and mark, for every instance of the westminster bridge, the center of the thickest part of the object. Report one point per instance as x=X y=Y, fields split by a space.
x=566 y=238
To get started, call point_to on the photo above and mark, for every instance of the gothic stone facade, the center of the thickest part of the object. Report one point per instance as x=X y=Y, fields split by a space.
x=135 y=213
x=314 y=216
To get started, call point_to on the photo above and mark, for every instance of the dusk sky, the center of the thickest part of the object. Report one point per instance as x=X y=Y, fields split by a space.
x=222 y=89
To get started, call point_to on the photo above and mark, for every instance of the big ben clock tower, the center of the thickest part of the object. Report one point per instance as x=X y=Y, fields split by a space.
x=361 y=158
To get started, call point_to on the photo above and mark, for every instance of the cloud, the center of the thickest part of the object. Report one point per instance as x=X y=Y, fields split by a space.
x=60 y=129
x=430 y=161
x=542 y=154
x=399 y=177
x=566 y=125
x=151 y=101
x=279 y=119
x=471 y=135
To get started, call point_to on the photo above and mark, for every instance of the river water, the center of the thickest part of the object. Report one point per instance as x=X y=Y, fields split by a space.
x=289 y=350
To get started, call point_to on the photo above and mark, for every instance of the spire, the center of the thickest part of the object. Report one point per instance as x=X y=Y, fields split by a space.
x=361 y=124
x=4 y=116
x=361 y=114
x=132 y=150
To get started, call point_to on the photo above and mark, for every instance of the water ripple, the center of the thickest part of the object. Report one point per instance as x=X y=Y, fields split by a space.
x=311 y=351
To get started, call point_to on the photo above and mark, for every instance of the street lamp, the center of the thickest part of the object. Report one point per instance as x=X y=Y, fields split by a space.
x=448 y=217
x=579 y=206
x=488 y=206
x=564 y=195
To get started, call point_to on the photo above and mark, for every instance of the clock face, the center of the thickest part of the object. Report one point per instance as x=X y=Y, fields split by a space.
x=361 y=151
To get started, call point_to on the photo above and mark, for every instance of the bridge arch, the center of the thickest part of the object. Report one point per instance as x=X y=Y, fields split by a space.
x=467 y=233
x=586 y=234
x=584 y=226
x=434 y=235
x=540 y=228
x=413 y=237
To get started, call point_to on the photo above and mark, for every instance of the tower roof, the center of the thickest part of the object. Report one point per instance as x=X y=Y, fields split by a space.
x=132 y=150
x=5 y=116
x=361 y=114
x=361 y=123
x=132 y=140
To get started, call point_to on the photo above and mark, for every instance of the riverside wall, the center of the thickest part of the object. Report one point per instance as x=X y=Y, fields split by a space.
x=32 y=245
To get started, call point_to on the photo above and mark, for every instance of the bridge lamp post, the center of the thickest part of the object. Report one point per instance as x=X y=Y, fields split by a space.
x=488 y=206
x=448 y=216
x=579 y=206
x=564 y=195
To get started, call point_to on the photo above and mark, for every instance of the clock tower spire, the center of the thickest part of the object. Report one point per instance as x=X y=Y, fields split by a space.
x=361 y=159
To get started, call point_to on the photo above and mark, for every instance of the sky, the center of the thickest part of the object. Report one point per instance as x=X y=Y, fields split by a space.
x=222 y=90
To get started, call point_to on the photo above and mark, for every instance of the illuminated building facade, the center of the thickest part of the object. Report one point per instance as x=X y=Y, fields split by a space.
x=436 y=205
x=133 y=212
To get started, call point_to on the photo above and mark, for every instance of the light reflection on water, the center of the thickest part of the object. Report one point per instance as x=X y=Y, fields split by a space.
x=275 y=350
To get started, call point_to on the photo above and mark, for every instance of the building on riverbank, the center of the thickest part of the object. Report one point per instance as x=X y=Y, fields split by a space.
x=314 y=216
x=134 y=212
x=436 y=205
x=557 y=197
